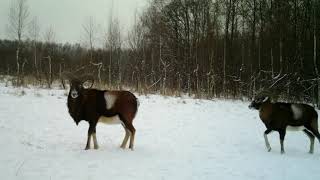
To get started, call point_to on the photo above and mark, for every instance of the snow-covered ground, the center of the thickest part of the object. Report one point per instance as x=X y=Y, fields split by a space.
x=177 y=138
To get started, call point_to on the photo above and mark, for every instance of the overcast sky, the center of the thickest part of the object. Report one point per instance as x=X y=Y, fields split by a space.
x=67 y=16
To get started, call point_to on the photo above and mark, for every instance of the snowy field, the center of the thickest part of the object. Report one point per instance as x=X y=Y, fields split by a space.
x=177 y=138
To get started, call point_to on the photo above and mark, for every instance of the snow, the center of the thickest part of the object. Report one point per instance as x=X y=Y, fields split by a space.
x=177 y=138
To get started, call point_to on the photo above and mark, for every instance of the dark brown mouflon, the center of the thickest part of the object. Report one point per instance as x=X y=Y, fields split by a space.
x=287 y=116
x=110 y=107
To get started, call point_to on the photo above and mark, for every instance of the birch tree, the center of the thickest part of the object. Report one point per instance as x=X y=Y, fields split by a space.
x=34 y=31
x=18 y=20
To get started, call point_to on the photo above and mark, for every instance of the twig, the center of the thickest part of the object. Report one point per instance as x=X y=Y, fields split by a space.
x=80 y=68
x=278 y=80
x=20 y=167
x=96 y=64
x=314 y=79
x=153 y=84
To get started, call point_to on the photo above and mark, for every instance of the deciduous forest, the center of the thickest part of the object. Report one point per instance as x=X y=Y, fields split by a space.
x=208 y=49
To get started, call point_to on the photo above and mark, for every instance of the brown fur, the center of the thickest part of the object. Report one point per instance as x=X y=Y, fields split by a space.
x=277 y=116
x=90 y=105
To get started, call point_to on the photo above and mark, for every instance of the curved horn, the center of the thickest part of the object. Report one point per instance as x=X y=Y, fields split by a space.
x=87 y=77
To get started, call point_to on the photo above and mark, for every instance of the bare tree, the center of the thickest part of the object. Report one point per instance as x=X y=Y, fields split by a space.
x=34 y=31
x=113 y=44
x=49 y=37
x=164 y=79
x=225 y=44
x=135 y=42
x=18 y=20
x=90 y=30
x=315 y=52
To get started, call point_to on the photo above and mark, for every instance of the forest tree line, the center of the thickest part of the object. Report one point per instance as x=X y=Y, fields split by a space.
x=206 y=48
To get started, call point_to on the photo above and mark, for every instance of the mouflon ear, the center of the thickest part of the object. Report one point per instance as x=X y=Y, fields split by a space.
x=88 y=84
x=87 y=81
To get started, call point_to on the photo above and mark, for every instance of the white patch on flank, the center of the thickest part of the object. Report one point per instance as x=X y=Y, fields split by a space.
x=297 y=112
x=295 y=128
x=110 y=99
x=110 y=120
